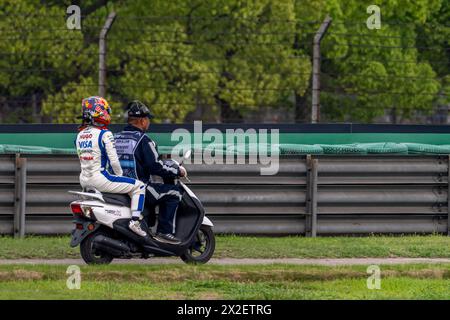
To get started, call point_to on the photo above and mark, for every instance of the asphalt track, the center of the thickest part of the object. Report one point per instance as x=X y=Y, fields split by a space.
x=231 y=261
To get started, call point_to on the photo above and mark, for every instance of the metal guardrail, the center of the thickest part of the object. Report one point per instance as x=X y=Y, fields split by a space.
x=310 y=195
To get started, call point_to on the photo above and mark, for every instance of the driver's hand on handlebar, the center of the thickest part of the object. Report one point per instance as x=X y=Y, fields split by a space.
x=183 y=172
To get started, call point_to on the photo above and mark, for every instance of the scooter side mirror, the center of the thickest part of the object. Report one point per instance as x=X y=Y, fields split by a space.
x=187 y=154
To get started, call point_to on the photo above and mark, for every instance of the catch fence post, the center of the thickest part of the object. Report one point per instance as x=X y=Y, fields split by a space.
x=102 y=54
x=311 y=196
x=20 y=195
x=448 y=195
x=315 y=108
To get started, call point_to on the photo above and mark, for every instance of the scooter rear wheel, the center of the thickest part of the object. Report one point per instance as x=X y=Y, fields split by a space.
x=92 y=256
x=202 y=248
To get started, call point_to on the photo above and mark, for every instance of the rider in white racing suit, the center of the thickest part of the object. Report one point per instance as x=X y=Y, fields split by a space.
x=97 y=154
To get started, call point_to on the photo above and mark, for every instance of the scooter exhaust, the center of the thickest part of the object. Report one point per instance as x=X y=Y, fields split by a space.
x=114 y=247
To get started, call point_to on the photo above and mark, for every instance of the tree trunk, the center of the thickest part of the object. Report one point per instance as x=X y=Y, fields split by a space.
x=35 y=109
x=394 y=119
x=227 y=114
x=302 y=107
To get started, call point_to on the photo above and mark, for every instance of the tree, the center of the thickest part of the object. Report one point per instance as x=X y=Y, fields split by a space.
x=230 y=55
x=380 y=69
x=233 y=57
x=40 y=58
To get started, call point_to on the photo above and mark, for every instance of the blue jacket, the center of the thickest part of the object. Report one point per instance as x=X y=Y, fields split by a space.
x=146 y=158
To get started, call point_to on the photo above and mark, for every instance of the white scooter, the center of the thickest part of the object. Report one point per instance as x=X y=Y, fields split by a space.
x=101 y=229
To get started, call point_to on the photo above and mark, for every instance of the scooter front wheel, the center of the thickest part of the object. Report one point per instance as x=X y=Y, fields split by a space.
x=202 y=248
x=91 y=255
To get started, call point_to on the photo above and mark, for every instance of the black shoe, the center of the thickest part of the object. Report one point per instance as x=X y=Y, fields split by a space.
x=167 y=238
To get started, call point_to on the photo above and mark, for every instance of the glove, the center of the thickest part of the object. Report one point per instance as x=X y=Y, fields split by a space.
x=183 y=172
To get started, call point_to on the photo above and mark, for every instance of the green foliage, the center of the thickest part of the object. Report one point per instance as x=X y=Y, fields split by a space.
x=382 y=69
x=226 y=55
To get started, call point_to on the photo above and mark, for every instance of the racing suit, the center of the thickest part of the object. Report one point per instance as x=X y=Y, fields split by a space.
x=97 y=153
x=139 y=159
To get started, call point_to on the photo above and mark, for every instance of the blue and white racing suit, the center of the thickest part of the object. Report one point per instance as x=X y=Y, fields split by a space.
x=97 y=152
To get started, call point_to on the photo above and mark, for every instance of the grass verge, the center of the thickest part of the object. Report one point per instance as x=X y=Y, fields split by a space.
x=418 y=281
x=430 y=246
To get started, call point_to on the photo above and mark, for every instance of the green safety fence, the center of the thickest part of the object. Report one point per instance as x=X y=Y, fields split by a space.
x=384 y=147
x=193 y=147
x=249 y=149
x=63 y=151
x=165 y=149
x=290 y=148
x=421 y=148
x=11 y=148
x=342 y=149
x=282 y=149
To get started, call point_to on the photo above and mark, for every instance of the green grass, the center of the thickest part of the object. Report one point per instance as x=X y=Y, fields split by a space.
x=262 y=247
x=334 y=247
x=419 y=281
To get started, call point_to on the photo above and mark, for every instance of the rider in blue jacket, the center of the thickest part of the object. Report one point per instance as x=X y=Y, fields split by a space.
x=139 y=159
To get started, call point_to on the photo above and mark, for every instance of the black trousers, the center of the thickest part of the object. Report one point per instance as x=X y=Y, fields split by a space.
x=167 y=197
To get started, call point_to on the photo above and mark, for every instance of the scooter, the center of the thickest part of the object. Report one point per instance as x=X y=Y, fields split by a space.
x=101 y=229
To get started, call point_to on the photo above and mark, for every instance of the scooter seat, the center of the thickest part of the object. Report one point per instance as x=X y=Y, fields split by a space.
x=117 y=199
